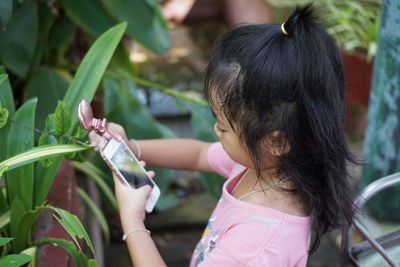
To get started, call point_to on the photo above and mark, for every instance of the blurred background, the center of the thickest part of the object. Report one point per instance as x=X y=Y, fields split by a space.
x=153 y=86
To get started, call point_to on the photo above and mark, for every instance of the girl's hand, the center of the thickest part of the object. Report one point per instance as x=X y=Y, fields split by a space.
x=131 y=201
x=113 y=128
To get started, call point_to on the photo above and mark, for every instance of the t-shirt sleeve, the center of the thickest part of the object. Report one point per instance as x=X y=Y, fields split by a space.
x=219 y=160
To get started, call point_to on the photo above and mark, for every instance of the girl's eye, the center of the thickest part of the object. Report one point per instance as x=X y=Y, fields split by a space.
x=221 y=130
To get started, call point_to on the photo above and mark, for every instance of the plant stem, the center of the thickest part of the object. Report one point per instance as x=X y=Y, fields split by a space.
x=166 y=90
x=47 y=132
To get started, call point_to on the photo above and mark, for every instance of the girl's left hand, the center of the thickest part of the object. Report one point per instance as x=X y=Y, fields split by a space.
x=131 y=201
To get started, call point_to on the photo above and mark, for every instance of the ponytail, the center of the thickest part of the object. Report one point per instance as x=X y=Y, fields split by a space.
x=290 y=78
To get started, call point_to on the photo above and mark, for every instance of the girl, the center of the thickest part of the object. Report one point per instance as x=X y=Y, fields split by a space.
x=277 y=94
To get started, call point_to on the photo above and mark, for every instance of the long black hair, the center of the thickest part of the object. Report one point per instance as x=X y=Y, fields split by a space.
x=290 y=80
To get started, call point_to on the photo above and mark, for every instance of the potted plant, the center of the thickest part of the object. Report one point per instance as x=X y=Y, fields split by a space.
x=355 y=25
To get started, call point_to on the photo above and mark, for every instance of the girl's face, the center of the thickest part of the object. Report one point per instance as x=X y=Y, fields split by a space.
x=230 y=141
x=232 y=145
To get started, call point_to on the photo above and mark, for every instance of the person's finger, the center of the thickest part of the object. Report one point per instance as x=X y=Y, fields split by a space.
x=94 y=138
x=151 y=174
x=143 y=163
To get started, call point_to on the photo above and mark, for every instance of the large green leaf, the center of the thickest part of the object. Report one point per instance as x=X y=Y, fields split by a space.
x=62 y=33
x=89 y=14
x=20 y=181
x=74 y=227
x=98 y=177
x=17 y=42
x=5 y=240
x=202 y=122
x=6 y=7
x=83 y=86
x=42 y=152
x=48 y=86
x=122 y=106
x=17 y=211
x=80 y=259
x=92 y=68
x=3 y=117
x=96 y=211
x=46 y=20
x=145 y=22
x=70 y=222
x=14 y=260
x=4 y=219
x=7 y=101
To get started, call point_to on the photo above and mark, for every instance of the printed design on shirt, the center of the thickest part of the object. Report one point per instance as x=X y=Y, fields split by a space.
x=204 y=248
x=258 y=219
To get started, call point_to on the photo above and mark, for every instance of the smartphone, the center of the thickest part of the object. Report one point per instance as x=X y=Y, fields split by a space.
x=121 y=159
x=118 y=155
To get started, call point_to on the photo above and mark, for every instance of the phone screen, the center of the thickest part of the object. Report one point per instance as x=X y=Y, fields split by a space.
x=129 y=167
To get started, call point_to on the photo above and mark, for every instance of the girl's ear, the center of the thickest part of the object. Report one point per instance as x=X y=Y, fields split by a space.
x=278 y=144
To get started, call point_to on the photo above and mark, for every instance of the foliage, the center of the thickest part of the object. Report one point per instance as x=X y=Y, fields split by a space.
x=47 y=87
x=355 y=24
x=27 y=183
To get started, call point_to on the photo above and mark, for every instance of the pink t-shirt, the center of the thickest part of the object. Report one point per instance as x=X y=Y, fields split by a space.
x=239 y=233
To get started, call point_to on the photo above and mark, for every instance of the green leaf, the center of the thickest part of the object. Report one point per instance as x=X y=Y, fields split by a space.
x=122 y=106
x=14 y=260
x=62 y=33
x=96 y=212
x=79 y=258
x=92 y=68
x=3 y=169
x=32 y=252
x=3 y=117
x=120 y=60
x=46 y=20
x=6 y=7
x=74 y=227
x=46 y=139
x=98 y=177
x=62 y=119
x=20 y=181
x=202 y=122
x=83 y=86
x=89 y=14
x=17 y=212
x=5 y=240
x=48 y=86
x=41 y=152
x=17 y=42
x=145 y=22
x=4 y=219
x=7 y=101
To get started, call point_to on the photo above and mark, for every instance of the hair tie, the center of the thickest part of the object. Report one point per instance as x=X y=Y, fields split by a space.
x=283 y=29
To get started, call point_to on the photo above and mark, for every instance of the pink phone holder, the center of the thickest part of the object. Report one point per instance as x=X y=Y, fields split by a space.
x=85 y=114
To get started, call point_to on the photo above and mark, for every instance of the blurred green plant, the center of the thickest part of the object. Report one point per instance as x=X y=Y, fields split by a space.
x=42 y=58
x=355 y=24
x=27 y=182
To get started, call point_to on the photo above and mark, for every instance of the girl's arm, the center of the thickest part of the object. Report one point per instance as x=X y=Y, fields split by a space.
x=131 y=204
x=180 y=154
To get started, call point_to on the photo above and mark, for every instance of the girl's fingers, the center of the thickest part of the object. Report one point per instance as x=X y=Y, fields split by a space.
x=143 y=163
x=151 y=174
